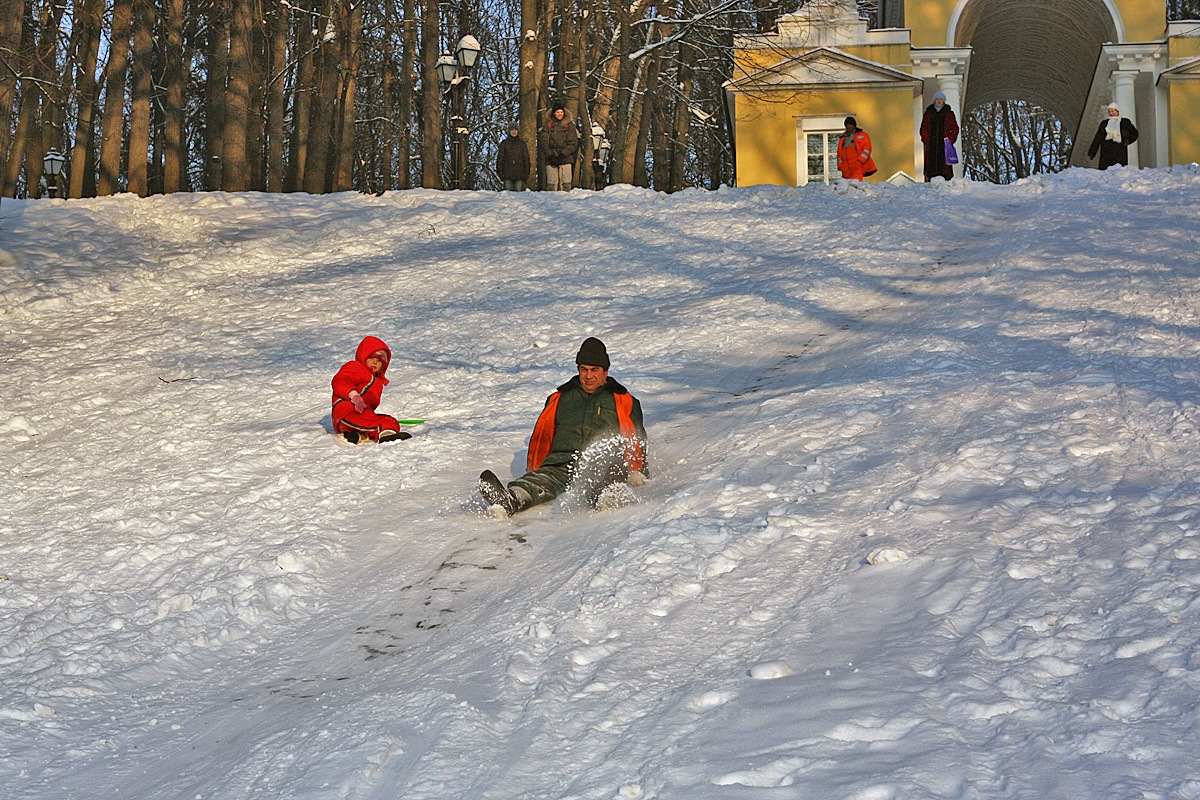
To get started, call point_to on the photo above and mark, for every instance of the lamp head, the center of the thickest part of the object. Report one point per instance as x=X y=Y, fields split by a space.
x=447 y=68
x=468 y=50
x=52 y=163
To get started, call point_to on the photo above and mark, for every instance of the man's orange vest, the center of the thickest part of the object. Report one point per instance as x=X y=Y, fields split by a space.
x=543 y=433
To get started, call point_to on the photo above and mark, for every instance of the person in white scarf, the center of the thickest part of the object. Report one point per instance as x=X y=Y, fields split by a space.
x=1113 y=138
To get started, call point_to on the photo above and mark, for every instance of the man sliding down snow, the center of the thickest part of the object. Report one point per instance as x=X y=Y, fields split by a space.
x=592 y=413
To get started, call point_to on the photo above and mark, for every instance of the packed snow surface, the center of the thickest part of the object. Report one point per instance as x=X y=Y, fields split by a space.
x=923 y=518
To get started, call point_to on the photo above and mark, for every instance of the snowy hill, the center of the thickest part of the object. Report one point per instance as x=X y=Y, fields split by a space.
x=923 y=520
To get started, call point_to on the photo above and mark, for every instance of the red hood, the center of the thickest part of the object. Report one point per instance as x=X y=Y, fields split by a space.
x=370 y=345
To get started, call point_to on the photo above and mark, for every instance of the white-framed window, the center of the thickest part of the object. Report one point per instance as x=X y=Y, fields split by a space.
x=816 y=148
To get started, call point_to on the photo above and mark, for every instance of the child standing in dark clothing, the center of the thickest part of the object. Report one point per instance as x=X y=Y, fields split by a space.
x=357 y=390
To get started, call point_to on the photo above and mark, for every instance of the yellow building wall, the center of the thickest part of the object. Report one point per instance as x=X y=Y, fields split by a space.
x=766 y=129
x=929 y=20
x=1145 y=20
x=1184 y=122
x=1182 y=48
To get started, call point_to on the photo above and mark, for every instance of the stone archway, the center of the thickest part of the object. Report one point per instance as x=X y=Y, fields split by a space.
x=1035 y=51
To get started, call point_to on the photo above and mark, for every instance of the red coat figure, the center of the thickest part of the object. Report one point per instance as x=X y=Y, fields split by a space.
x=357 y=390
x=854 y=152
x=938 y=125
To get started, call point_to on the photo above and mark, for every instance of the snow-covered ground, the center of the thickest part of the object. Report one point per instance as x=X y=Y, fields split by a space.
x=924 y=519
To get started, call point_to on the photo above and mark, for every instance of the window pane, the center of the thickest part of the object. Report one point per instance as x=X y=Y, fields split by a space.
x=815 y=143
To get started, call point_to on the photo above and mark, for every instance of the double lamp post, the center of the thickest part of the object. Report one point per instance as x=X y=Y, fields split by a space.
x=455 y=71
x=600 y=150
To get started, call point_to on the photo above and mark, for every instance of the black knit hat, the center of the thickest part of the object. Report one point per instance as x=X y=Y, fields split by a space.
x=851 y=121
x=592 y=353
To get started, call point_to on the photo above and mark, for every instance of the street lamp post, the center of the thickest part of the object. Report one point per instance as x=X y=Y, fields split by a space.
x=52 y=167
x=601 y=167
x=455 y=72
x=597 y=136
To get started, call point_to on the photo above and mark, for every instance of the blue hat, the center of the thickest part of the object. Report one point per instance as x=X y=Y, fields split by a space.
x=936 y=95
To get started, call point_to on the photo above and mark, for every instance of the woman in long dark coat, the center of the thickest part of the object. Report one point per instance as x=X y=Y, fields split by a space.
x=938 y=124
x=1113 y=138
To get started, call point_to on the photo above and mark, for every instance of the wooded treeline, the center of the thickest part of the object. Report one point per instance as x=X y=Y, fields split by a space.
x=150 y=96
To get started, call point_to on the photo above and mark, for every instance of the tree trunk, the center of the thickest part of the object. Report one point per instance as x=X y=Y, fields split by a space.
x=88 y=20
x=431 y=98
x=317 y=173
x=402 y=126
x=174 y=143
x=235 y=166
x=683 y=116
x=112 y=123
x=45 y=131
x=20 y=139
x=647 y=102
x=260 y=78
x=623 y=116
x=276 y=100
x=587 y=178
x=302 y=102
x=530 y=81
x=346 y=150
x=142 y=86
x=19 y=64
x=214 y=93
x=10 y=41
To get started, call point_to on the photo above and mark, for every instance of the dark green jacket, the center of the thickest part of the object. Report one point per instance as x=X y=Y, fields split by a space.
x=581 y=418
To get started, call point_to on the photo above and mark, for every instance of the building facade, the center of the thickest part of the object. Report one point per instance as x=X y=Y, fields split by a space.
x=792 y=88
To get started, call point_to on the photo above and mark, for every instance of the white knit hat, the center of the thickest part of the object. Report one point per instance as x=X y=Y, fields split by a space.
x=1113 y=105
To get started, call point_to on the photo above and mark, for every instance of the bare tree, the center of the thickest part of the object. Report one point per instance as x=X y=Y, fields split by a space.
x=88 y=19
x=174 y=142
x=10 y=73
x=1183 y=10
x=431 y=98
x=350 y=18
x=140 y=96
x=1008 y=140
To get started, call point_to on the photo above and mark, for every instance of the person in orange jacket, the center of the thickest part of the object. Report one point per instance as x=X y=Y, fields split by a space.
x=854 y=152
x=357 y=390
x=590 y=435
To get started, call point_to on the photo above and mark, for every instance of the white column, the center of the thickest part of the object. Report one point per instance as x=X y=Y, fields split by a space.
x=951 y=86
x=1123 y=81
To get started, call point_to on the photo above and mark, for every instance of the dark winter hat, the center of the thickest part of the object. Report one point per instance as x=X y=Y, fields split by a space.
x=557 y=106
x=850 y=121
x=593 y=353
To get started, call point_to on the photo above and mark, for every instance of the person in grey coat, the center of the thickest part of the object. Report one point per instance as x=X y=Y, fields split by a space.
x=562 y=146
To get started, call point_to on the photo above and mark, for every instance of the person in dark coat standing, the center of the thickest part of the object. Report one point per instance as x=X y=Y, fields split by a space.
x=938 y=125
x=512 y=161
x=562 y=145
x=591 y=412
x=1113 y=138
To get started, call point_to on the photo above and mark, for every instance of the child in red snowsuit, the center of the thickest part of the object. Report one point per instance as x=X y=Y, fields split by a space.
x=357 y=390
